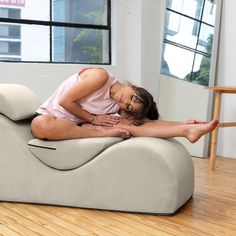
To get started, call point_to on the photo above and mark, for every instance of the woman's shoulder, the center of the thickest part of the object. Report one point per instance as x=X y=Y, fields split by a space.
x=96 y=73
x=94 y=70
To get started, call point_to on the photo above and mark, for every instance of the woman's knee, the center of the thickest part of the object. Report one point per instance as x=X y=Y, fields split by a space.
x=41 y=126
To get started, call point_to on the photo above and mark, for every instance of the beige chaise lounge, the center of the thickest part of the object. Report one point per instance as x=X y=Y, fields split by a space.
x=143 y=174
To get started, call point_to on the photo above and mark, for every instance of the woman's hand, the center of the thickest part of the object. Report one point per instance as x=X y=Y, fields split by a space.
x=105 y=120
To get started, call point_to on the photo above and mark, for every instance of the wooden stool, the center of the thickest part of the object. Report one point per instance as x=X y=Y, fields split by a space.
x=217 y=107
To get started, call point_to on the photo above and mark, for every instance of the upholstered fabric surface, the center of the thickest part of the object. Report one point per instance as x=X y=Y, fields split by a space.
x=17 y=101
x=138 y=175
x=70 y=154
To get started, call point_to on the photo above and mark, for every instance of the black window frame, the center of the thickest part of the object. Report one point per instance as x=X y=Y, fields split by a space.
x=52 y=23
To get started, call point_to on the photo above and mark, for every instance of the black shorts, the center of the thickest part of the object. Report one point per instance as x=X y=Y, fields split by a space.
x=35 y=115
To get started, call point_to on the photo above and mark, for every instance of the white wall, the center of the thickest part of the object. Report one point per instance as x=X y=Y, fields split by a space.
x=181 y=100
x=226 y=77
x=136 y=52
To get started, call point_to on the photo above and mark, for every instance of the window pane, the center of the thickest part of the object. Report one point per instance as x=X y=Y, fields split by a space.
x=191 y=8
x=182 y=30
x=34 y=44
x=201 y=70
x=209 y=12
x=179 y=61
x=205 y=39
x=30 y=10
x=80 y=45
x=80 y=11
x=36 y=10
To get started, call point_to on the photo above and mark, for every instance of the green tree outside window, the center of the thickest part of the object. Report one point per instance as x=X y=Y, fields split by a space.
x=93 y=48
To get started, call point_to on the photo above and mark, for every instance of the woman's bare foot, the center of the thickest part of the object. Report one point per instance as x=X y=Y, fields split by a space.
x=194 y=121
x=196 y=131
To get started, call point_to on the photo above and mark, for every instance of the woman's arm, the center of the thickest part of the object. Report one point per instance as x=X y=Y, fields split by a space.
x=91 y=80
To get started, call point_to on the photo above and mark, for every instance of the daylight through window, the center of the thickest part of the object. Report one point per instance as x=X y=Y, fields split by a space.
x=60 y=31
x=188 y=39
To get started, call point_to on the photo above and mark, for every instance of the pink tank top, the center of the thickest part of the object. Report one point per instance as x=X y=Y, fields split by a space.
x=97 y=103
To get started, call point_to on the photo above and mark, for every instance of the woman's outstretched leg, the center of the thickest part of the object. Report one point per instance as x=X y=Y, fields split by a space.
x=166 y=129
x=50 y=128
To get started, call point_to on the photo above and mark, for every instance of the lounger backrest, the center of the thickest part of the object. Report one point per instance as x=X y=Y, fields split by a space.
x=18 y=102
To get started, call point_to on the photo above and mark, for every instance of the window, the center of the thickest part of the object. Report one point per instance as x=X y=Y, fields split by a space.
x=58 y=31
x=188 y=39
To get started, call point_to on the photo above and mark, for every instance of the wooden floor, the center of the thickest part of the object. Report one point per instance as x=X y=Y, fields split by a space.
x=211 y=211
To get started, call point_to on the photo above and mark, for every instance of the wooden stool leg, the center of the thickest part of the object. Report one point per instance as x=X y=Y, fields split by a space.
x=214 y=137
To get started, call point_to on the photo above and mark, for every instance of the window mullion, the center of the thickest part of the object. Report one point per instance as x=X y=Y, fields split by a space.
x=54 y=23
x=192 y=18
x=50 y=30
x=186 y=48
x=109 y=25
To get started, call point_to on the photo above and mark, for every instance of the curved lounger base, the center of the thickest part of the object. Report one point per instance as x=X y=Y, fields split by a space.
x=137 y=175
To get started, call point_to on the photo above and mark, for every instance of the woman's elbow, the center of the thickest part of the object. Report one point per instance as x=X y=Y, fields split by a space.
x=65 y=104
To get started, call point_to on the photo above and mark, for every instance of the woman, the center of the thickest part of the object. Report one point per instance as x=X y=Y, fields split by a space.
x=93 y=96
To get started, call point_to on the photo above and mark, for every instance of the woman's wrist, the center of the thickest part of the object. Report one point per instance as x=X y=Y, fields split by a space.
x=93 y=120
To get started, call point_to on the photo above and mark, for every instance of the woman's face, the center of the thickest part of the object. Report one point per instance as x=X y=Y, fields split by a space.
x=127 y=99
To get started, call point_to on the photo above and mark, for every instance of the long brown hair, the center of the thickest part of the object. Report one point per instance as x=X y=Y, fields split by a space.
x=149 y=109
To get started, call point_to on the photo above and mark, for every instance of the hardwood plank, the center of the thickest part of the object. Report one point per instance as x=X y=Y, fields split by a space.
x=202 y=224
x=82 y=218
x=168 y=225
x=6 y=231
x=44 y=219
x=131 y=226
x=103 y=219
x=213 y=209
x=19 y=223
